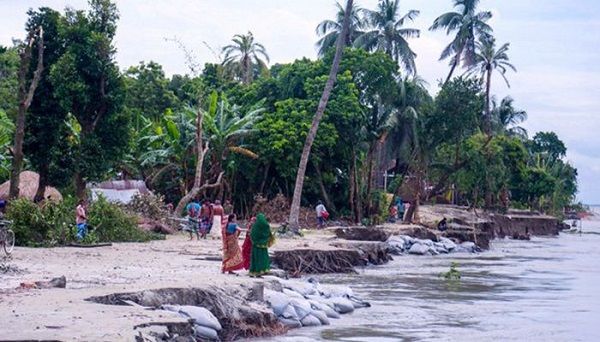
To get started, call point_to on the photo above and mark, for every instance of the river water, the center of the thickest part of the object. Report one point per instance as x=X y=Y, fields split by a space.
x=546 y=289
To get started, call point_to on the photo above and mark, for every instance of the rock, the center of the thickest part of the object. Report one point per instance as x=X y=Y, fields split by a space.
x=418 y=249
x=321 y=316
x=199 y=315
x=396 y=245
x=310 y=321
x=290 y=323
x=205 y=333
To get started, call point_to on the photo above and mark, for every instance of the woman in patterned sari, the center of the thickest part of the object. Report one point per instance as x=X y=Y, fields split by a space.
x=232 y=255
x=262 y=239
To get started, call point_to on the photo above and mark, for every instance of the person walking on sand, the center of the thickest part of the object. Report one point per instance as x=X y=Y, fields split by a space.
x=322 y=214
x=205 y=218
x=262 y=239
x=217 y=220
x=232 y=254
x=193 y=213
x=81 y=220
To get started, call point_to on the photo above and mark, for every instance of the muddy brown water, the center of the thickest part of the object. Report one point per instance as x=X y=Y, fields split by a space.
x=546 y=289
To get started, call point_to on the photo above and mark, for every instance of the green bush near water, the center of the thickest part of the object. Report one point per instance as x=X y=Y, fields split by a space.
x=53 y=224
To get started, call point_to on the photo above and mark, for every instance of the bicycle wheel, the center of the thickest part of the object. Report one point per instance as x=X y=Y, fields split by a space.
x=9 y=242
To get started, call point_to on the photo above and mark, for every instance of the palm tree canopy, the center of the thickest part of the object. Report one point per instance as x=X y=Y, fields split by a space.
x=469 y=26
x=244 y=54
x=488 y=58
x=388 y=33
x=329 y=30
x=506 y=118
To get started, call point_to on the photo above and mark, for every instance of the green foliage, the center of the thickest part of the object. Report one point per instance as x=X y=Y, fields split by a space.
x=7 y=129
x=53 y=224
x=453 y=273
x=27 y=222
x=9 y=65
x=111 y=223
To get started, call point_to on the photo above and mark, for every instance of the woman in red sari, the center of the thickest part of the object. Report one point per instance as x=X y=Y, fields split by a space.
x=232 y=255
x=247 y=246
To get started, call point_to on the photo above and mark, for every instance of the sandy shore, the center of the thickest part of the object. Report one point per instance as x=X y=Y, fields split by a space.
x=63 y=314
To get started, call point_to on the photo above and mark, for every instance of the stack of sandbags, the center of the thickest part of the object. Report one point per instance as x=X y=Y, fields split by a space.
x=206 y=325
x=302 y=304
x=403 y=244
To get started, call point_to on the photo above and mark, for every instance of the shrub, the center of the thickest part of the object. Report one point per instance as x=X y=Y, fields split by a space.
x=110 y=223
x=54 y=223
x=27 y=222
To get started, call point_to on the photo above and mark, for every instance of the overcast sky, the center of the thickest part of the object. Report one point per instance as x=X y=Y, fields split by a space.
x=555 y=45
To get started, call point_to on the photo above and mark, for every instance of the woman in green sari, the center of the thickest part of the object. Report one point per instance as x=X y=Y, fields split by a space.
x=262 y=239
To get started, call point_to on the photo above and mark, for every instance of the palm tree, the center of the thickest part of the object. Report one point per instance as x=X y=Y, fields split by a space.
x=469 y=26
x=329 y=30
x=244 y=55
x=312 y=133
x=487 y=59
x=506 y=118
x=389 y=35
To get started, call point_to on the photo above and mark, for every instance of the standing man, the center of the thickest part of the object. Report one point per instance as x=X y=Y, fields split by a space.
x=81 y=220
x=217 y=213
x=193 y=212
x=400 y=208
x=321 y=214
x=205 y=218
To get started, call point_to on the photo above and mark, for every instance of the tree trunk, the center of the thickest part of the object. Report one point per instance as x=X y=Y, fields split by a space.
x=351 y=187
x=79 y=186
x=201 y=151
x=326 y=198
x=358 y=203
x=25 y=98
x=43 y=182
x=454 y=64
x=488 y=114
x=295 y=208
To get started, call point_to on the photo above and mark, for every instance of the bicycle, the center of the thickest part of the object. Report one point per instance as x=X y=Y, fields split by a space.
x=7 y=237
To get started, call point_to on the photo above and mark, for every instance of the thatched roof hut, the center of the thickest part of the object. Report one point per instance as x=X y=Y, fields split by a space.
x=28 y=184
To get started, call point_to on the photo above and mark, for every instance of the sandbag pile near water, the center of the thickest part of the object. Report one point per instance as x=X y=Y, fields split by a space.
x=306 y=304
x=206 y=325
x=404 y=244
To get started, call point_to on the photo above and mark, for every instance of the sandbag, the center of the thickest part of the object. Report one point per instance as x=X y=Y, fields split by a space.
x=341 y=305
x=330 y=291
x=199 y=315
x=277 y=300
x=310 y=321
x=303 y=288
x=328 y=310
x=321 y=316
x=290 y=323
x=289 y=313
x=419 y=249
x=302 y=307
x=292 y=293
x=205 y=333
x=359 y=303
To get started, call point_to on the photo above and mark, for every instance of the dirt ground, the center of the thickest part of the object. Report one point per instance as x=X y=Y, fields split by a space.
x=63 y=314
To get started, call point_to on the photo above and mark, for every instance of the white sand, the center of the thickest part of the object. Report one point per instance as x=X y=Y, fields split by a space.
x=63 y=314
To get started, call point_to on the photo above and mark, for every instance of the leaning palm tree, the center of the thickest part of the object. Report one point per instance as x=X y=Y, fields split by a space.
x=487 y=59
x=244 y=55
x=469 y=25
x=388 y=34
x=312 y=132
x=329 y=30
x=506 y=118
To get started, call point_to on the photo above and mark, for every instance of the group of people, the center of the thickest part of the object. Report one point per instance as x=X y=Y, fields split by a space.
x=398 y=210
x=206 y=218
x=254 y=253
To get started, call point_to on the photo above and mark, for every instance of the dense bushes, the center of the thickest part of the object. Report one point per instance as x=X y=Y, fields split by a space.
x=53 y=224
